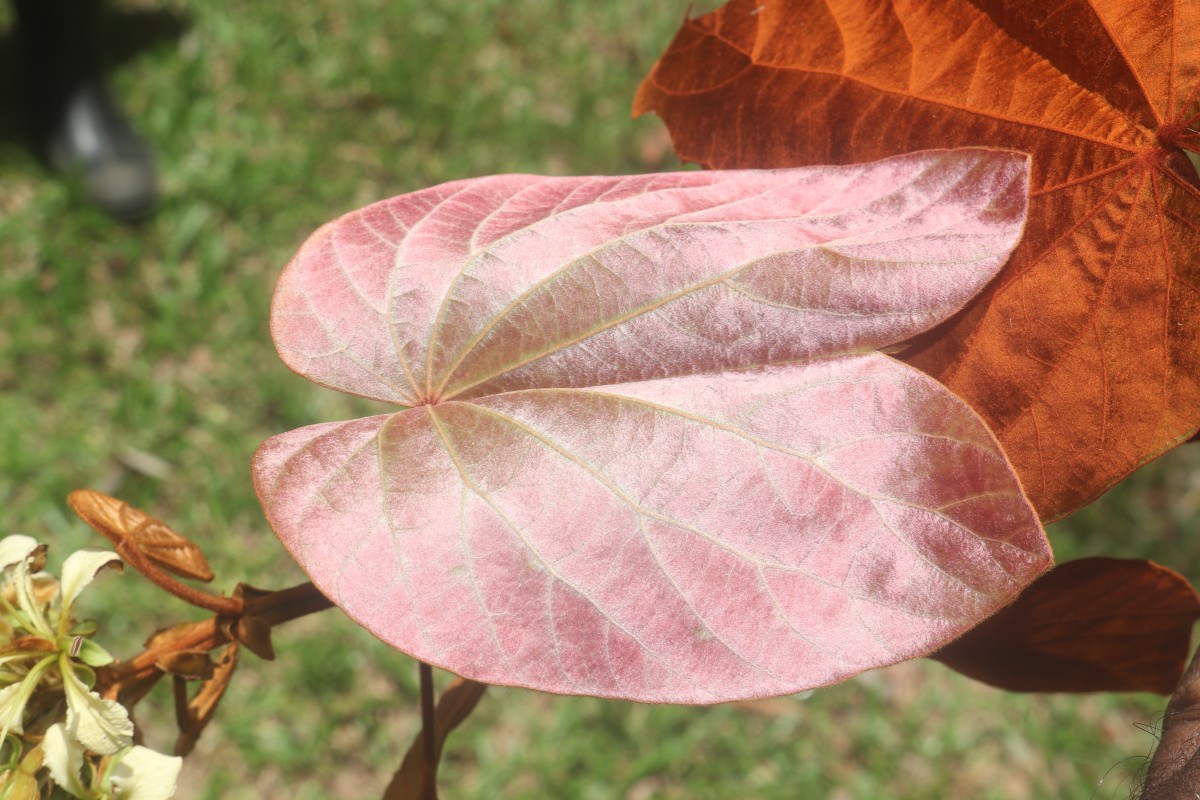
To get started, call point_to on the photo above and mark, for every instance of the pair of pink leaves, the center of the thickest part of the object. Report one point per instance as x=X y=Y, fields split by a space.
x=652 y=450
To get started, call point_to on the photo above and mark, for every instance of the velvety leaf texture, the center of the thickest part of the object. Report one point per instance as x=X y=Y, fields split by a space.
x=1084 y=355
x=651 y=452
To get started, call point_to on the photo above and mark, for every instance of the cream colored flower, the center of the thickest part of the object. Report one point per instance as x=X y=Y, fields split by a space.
x=80 y=569
x=15 y=549
x=102 y=726
x=16 y=553
x=138 y=773
x=63 y=757
x=14 y=698
x=143 y=774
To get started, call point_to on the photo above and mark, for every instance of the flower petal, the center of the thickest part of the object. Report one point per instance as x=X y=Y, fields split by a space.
x=44 y=588
x=102 y=726
x=15 y=549
x=64 y=759
x=12 y=708
x=18 y=785
x=14 y=697
x=29 y=601
x=78 y=571
x=144 y=774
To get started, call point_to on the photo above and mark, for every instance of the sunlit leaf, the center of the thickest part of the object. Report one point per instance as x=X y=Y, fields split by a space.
x=1084 y=355
x=652 y=453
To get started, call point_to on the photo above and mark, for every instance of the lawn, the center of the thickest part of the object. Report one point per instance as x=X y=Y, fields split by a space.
x=136 y=360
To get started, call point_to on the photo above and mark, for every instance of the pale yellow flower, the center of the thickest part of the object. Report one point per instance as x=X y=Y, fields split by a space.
x=137 y=773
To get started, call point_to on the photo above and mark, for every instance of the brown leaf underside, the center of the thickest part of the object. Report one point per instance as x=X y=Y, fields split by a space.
x=195 y=714
x=412 y=781
x=1090 y=625
x=1084 y=355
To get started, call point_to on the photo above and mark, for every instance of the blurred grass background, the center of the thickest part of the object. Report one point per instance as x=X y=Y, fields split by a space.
x=136 y=360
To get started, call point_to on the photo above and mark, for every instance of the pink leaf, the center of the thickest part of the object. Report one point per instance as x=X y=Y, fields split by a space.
x=651 y=452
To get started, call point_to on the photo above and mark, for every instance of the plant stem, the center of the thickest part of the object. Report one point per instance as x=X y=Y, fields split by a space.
x=229 y=606
x=288 y=604
x=429 y=735
x=274 y=608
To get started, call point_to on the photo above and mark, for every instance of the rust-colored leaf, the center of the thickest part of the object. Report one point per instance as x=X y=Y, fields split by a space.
x=132 y=693
x=413 y=781
x=1084 y=355
x=255 y=634
x=1090 y=625
x=190 y=664
x=251 y=630
x=165 y=637
x=199 y=711
x=120 y=523
x=30 y=644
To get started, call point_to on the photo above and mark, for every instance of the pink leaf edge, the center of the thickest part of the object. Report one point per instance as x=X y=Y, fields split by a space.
x=651 y=452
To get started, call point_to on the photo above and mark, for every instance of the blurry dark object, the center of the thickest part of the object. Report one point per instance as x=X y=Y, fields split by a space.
x=75 y=121
x=1174 y=772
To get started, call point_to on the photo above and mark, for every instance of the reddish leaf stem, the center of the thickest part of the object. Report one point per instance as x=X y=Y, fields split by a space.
x=273 y=608
x=228 y=606
x=428 y=732
x=180 y=692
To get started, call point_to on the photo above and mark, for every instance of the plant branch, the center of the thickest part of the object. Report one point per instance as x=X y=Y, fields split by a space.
x=428 y=731
x=416 y=779
x=228 y=606
x=272 y=608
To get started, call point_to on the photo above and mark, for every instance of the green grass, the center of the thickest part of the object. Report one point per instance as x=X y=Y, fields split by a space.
x=269 y=119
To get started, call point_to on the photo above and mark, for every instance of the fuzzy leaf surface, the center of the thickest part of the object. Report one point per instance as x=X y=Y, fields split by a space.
x=651 y=452
x=1084 y=355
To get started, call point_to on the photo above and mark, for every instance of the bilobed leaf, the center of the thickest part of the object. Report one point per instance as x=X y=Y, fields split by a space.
x=651 y=451
x=1089 y=625
x=1084 y=355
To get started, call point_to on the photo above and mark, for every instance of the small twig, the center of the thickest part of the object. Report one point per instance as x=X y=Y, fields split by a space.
x=227 y=606
x=416 y=779
x=285 y=605
x=428 y=731
x=274 y=608
x=180 y=692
